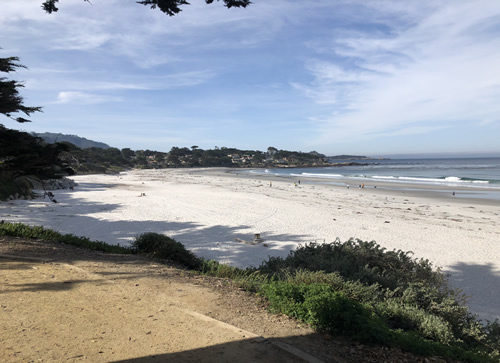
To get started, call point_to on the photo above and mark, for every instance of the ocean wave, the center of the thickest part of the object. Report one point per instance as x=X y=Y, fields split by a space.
x=319 y=175
x=450 y=180
x=383 y=177
x=394 y=176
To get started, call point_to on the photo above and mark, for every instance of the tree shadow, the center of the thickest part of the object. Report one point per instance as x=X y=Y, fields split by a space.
x=226 y=244
x=481 y=283
x=45 y=286
x=247 y=350
x=15 y=266
x=17 y=260
x=311 y=348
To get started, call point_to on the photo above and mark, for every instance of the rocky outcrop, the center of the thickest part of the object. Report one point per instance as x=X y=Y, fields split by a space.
x=28 y=185
x=53 y=184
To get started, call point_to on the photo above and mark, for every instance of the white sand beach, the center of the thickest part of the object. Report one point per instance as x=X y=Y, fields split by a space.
x=213 y=211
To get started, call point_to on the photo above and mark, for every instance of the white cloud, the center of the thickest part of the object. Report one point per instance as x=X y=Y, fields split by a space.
x=373 y=69
x=83 y=98
x=439 y=70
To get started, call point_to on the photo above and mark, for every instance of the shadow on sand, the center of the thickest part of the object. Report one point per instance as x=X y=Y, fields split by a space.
x=476 y=281
x=80 y=217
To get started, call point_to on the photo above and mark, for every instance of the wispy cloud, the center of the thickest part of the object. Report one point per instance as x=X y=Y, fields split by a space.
x=312 y=74
x=435 y=70
x=83 y=98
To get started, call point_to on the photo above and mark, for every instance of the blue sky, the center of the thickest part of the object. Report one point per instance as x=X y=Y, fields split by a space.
x=354 y=77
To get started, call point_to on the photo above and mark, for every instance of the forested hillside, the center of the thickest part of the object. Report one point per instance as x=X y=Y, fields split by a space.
x=81 y=142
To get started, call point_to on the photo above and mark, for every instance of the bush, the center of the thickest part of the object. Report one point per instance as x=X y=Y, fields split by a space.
x=408 y=295
x=326 y=310
x=493 y=338
x=357 y=260
x=164 y=247
x=411 y=318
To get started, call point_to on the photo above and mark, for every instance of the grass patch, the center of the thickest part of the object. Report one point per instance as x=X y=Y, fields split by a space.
x=38 y=232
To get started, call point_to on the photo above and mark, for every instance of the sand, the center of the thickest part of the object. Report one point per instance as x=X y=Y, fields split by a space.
x=217 y=212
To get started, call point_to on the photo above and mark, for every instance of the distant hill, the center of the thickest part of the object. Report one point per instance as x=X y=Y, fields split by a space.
x=81 y=142
x=347 y=157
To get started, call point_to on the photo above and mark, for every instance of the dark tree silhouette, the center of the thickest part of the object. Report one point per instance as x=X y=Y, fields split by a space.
x=169 y=7
x=10 y=99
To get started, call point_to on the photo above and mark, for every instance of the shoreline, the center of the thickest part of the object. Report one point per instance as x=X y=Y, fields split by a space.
x=215 y=212
x=441 y=192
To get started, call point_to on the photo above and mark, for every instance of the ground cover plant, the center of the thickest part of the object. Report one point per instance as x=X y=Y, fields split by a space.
x=355 y=289
x=41 y=233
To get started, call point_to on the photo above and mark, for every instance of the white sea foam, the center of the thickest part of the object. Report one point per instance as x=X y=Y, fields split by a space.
x=451 y=180
x=318 y=175
x=389 y=177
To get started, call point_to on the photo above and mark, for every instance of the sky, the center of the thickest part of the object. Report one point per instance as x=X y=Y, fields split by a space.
x=363 y=77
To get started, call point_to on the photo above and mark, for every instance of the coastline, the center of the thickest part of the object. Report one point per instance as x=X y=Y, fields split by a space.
x=211 y=211
x=463 y=193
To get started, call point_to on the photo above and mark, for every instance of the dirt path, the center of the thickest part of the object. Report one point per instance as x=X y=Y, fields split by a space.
x=59 y=303
x=61 y=312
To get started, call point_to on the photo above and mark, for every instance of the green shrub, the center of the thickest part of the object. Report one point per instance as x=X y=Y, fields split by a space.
x=357 y=260
x=301 y=276
x=164 y=247
x=248 y=279
x=326 y=310
x=407 y=294
x=352 y=289
x=492 y=338
x=449 y=305
x=411 y=318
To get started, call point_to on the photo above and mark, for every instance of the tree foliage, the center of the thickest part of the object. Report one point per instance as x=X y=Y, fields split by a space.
x=169 y=7
x=10 y=100
x=22 y=154
x=25 y=159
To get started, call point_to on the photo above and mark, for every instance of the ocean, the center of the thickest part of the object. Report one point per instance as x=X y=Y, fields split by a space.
x=479 y=177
